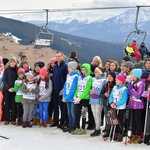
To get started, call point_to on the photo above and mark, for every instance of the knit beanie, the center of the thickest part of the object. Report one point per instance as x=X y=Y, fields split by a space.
x=43 y=72
x=126 y=58
x=52 y=60
x=73 y=65
x=5 y=61
x=1 y=59
x=112 y=74
x=21 y=71
x=28 y=75
x=121 y=77
x=137 y=73
x=12 y=58
x=129 y=64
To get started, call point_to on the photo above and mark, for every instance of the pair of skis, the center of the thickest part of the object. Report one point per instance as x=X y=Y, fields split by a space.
x=112 y=131
x=111 y=134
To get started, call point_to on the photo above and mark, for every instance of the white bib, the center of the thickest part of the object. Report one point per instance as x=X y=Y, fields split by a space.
x=97 y=84
x=69 y=82
x=42 y=89
x=30 y=95
x=117 y=96
x=82 y=84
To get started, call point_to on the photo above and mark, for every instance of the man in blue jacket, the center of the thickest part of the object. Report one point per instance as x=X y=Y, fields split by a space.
x=60 y=72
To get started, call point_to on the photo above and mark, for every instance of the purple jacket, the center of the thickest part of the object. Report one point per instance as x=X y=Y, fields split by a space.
x=135 y=91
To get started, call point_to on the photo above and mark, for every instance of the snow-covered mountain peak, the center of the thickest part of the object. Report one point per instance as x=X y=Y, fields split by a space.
x=130 y=16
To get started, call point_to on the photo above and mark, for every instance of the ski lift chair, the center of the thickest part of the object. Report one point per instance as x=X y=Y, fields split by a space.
x=44 y=37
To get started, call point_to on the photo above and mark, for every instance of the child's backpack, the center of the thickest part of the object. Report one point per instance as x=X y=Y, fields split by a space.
x=111 y=117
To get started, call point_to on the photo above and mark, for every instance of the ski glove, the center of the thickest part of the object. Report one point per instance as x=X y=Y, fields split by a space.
x=77 y=100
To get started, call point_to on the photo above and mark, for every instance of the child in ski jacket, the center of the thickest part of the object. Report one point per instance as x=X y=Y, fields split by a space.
x=136 y=105
x=30 y=90
x=18 y=90
x=96 y=100
x=44 y=96
x=69 y=90
x=82 y=98
x=105 y=93
x=117 y=100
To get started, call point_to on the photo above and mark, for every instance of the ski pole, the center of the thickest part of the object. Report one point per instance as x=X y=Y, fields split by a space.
x=115 y=127
x=145 y=124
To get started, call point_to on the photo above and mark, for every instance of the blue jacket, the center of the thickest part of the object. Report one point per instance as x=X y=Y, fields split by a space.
x=70 y=96
x=59 y=76
x=124 y=96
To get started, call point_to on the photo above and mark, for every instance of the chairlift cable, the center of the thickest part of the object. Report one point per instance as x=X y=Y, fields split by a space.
x=23 y=12
x=66 y=9
x=5 y=12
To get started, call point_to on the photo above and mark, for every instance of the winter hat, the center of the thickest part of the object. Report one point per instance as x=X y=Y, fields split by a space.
x=126 y=58
x=137 y=73
x=112 y=74
x=145 y=73
x=21 y=71
x=129 y=64
x=53 y=60
x=121 y=77
x=43 y=72
x=73 y=65
x=1 y=59
x=29 y=74
x=40 y=64
x=5 y=61
x=12 y=58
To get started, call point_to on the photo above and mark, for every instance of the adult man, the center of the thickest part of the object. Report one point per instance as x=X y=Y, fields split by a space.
x=60 y=71
x=143 y=50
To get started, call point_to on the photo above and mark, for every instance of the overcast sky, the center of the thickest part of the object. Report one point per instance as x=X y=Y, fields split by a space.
x=61 y=4
x=48 y=4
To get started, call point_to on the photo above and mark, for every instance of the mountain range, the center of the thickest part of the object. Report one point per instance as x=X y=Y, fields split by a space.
x=113 y=29
x=86 y=48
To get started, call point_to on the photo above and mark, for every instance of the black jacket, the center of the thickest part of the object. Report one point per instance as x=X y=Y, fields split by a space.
x=9 y=77
x=104 y=90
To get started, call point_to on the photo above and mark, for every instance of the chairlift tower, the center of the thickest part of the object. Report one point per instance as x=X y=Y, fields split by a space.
x=43 y=36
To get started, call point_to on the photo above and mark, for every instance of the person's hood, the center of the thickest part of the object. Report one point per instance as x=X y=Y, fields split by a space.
x=87 y=67
x=74 y=73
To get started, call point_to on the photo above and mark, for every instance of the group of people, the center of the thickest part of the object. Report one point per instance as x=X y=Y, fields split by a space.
x=139 y=53
x=64 y=92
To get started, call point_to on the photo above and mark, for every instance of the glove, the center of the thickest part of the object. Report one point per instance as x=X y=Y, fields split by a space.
x=77 y=100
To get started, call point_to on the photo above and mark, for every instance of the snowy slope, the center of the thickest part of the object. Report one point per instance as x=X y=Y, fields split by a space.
x=51 y=138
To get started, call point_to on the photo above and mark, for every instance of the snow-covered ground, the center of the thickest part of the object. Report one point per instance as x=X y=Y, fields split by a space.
x=52 y=138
